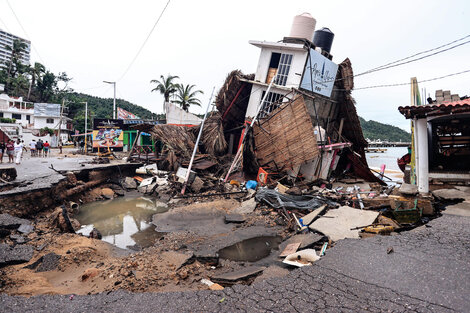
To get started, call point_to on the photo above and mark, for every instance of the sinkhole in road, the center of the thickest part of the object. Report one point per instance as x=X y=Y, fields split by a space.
x=250 y=250
x=124 y=222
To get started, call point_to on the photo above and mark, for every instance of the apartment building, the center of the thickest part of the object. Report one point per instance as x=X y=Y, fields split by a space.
x=6 y=39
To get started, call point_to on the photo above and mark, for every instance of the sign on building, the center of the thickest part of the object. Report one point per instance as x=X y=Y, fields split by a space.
x=108 y=133
x=323 y=73
x=125 y=115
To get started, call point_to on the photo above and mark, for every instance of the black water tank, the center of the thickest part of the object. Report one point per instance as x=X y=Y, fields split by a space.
x=323 y=38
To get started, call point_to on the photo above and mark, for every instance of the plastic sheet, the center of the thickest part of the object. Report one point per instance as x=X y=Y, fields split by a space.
x=278 y=200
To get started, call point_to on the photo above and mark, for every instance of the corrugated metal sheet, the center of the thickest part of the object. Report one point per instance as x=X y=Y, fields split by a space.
x=47 y=109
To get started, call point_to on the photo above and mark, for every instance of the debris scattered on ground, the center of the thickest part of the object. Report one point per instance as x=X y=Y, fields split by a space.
x=343 y=222
x=230 y=278
x=302 y=258
x=13 y=255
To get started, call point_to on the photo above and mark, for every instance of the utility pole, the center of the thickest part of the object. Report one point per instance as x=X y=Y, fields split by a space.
x=86 y=125
x=114 y=101
x=60 y=119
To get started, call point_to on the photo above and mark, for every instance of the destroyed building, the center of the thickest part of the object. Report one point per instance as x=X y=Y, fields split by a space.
x=306 y=124
x=295 y=116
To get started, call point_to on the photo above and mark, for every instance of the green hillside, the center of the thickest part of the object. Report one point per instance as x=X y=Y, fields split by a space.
x=375 y=130
x=100 y=108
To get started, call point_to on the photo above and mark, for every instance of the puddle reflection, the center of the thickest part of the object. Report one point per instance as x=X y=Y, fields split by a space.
x=123 y=222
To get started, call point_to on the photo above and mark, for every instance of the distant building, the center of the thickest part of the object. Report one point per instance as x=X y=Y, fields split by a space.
x=6 y=39
x=49 y=115
x=16 y=108
x=29 y=118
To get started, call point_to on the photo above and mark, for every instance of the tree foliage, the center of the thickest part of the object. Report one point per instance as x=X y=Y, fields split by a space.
x=165 y=86
x=186 y=96
x=374 y=130
x=100 y=108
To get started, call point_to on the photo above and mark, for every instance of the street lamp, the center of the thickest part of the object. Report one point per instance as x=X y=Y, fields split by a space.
x=86 y=125
x=114 y=102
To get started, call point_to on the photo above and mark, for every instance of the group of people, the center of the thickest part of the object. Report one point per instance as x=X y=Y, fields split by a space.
x=14 y=149
x=39 y=148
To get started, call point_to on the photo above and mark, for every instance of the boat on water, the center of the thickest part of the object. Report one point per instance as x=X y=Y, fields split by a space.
x=375 y=150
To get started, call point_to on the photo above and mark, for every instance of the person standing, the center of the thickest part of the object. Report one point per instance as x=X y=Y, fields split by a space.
x=2 y=151
x=32 y=147
x=60 y=146
x=46 y=148
x=39 y=147
x=10 y=147
x=18 y=147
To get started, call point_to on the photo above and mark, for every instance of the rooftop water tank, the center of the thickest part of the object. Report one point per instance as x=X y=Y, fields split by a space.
x=323 y=38
x=303 y=26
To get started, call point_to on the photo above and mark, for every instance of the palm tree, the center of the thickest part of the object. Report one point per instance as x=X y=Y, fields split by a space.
x=186 y=96
x=36 y=72
x=16 y=49
x=165 y=86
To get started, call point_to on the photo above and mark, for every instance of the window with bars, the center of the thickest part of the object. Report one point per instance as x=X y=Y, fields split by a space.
x=273 y=101
x=279 y=63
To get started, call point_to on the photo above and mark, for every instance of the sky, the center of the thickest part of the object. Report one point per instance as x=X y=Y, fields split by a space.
x=202 y=41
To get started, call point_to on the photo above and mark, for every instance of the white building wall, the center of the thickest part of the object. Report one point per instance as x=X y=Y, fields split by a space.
x=293 y=79
x=255 y=98
x=41 y=122
x=296 y=70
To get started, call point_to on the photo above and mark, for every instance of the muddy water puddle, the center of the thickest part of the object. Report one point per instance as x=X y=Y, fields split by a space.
x=251 y=250
x=123 y=222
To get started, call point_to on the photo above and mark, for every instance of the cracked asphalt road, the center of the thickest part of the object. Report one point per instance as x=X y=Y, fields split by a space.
x=427 y=272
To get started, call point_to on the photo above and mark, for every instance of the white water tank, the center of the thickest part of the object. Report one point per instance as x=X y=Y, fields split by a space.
x=303 y=26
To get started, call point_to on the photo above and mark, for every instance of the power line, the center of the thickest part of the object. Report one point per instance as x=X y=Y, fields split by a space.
x=422 y=52
x=396 y=63
x=145 y=41
x=26 y=34
x=413 y=60
x=4 y=25
x=408 y=83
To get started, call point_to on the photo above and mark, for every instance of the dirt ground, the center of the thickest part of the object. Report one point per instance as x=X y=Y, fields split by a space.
x=88 y=266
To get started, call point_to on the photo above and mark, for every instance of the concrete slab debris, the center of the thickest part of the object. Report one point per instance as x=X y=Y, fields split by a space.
x=460 y=209
x=25 y=228
x=15 y=255
x=234 y=218
x=242 y=274
x=47 y=262
x=18 y=239
x=463 y=188
x=306 y=240
x=337 y=223
x=129 y=183
x=310 y=217
x=12 y=222
x=451 y=194
x=246 y=207
x=362 y=186
x=197 y=184
x=176 y=258
x=408 y=189
x=271 y=272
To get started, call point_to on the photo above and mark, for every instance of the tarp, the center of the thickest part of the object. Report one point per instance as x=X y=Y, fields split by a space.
x=278 y=200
